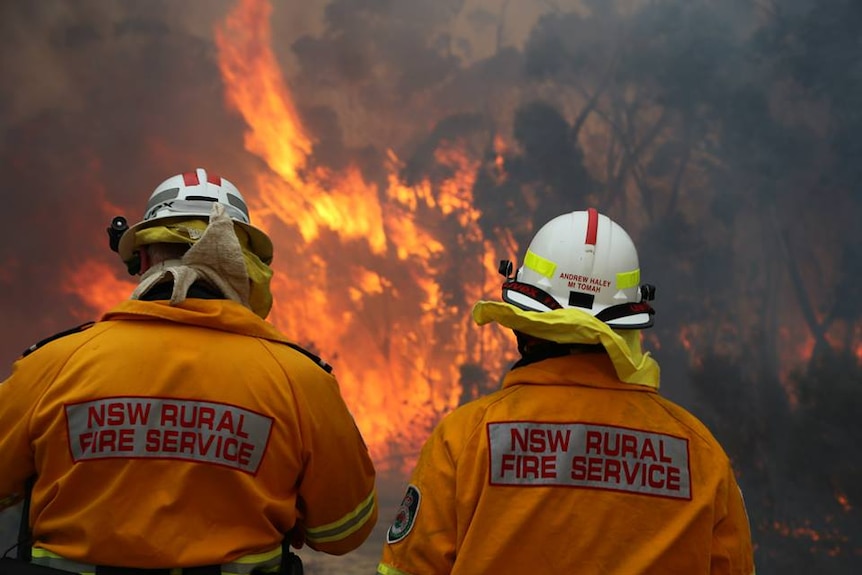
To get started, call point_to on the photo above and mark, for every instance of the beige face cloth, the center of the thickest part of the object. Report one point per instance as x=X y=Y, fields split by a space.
x=217 y=257
x=572 y=325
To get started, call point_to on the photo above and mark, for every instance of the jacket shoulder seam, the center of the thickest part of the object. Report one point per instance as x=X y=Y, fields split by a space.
x=56 y=336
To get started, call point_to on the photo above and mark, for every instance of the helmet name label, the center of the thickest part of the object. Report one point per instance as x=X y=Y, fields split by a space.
x=590 y=456
x=585 y=283
x=162 y=428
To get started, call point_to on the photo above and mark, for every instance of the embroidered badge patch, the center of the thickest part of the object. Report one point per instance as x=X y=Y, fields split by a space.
x=405 y=517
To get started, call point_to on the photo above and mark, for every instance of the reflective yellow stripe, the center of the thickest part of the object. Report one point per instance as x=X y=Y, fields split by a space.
x=384 y=569
x=47 y=559
x=348 y=524
x=539 y=264
x=264 y=562
x=628 y=279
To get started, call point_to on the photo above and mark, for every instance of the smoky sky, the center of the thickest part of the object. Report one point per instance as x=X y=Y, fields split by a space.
x=724 y=136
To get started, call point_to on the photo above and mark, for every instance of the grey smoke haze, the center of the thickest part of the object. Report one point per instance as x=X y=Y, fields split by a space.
x=723 y=135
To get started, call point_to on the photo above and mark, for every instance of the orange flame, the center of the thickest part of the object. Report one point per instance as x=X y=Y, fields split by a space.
x=94 y=281
x=96 y=286
x=359 y=270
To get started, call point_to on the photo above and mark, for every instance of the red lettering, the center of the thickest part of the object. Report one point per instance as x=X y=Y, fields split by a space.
x=594 y=469
x=647 y=450
x=532 y=440
x=126 y=440
x=520 y=439
x=204 y=444
x=169 y=441
x=231 y=442
x=187 y=442
x=139 y=413
x=95 y=417
x=107 y=440
x=530 y=466
x=612 y=470
x=631 y=473
x=615 y=450
x=116 y=414
x=629 y=445
x=579 y=468
x=226 y=422
x=508 y=463
x=537 y=440
x=247 y=449
x=188 y=416
x=594 y=442
x=519 y=466
x=672 y=479
x=548 y=468
x=653 y=482
x=153 y=437
x=239 y=430
x=85 y=440
x=557 y=440
x=169 y=415
x=207 y=417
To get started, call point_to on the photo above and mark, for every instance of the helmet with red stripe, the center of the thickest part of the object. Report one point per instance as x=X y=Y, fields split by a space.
x=582 y=260
x=191 y=195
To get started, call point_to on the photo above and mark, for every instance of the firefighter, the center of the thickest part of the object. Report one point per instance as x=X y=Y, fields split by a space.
x=182 y=430
x=577 y=464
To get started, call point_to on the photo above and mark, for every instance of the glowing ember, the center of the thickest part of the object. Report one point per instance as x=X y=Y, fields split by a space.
x=843 y=501
x=828 y=542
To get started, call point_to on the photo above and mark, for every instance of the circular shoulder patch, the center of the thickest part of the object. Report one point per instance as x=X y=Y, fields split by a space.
x=405 y=517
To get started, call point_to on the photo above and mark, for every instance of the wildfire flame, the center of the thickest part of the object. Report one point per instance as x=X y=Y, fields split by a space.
x=94 y=295
x=360 y=268
x=378 y=274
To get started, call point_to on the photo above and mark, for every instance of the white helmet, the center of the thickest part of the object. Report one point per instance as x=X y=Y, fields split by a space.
x=191 y=195
x=582 y=260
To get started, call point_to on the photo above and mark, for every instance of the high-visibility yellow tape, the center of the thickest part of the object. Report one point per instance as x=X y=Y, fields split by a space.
x=628 y=279
x=383 y=569
x=345 y=526
x=539 y=264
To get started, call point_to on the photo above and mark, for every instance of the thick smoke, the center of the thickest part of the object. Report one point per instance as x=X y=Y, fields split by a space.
x=723 y=135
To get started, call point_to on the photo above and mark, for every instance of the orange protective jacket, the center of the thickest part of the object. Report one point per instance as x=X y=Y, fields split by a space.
x=568 y=470
x=181 y=436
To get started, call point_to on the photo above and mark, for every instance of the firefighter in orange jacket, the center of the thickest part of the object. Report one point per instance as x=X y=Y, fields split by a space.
x=182 y=429
x=577 y=465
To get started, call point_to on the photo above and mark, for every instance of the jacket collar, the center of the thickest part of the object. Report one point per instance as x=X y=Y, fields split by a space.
x=583 y=369
x=224 y=315
x=574 y=326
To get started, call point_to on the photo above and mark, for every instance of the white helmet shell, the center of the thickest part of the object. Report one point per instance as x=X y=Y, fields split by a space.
x=583 y=260
x=192 y=195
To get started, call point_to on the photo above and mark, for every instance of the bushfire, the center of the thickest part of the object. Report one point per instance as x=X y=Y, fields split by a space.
x=378 y=262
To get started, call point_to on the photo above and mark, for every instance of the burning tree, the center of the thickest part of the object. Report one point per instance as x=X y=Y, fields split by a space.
x=396 y=151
